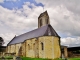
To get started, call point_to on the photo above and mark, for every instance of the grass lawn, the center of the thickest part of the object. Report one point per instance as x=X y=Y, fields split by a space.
x=27 y=58
x=74 y=58
x=6 y=58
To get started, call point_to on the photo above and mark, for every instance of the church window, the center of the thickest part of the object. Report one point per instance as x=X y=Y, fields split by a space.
x=47 y=21
x=49 y=32
x=34 y=46
x=42 y=46
x=28 y=47
x=40 y=22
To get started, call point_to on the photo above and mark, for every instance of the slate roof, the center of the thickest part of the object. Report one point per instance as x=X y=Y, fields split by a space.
x=42 y=31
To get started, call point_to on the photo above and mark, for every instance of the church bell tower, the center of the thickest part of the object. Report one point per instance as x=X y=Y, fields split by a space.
x=43 y=19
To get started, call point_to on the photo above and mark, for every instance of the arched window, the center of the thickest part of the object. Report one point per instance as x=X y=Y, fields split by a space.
x=40 y=22
x=28 y=47
x=42 y=46
x=34 y=46
x=49 y=32
x=47 y=21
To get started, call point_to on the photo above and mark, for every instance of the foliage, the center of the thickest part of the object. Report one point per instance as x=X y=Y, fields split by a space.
x=1 y=41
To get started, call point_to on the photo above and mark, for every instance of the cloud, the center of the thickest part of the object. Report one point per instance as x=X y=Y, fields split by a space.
x=62 y=17
x=72 y=5
x=2 y=1
x=18 y=21
x=13 y=0
x=70 y=41
x=7 y=37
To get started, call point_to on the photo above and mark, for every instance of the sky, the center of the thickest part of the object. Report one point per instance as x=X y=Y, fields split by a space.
x=21 y=16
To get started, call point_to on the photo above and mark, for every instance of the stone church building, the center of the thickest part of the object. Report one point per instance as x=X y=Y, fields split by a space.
x=42 y=42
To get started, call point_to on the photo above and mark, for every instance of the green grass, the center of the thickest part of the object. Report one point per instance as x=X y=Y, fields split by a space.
x=27 y=58
x=8 y=57
x=74 y=58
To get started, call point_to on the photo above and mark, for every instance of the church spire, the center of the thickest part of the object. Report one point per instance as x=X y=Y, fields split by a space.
x=43 y=19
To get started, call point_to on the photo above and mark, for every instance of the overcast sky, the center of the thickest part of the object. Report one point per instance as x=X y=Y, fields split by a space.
x=20 y=16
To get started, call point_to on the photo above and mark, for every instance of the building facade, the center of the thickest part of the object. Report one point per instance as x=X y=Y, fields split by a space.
x=42 y=42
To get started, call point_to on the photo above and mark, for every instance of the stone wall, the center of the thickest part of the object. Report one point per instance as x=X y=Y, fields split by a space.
x=43 y=19
x=31 y=47
x=18 y=46
x=57 y=51
x=8 y=49
x=24 y=49
x=42 y=47
x=14 y=48
x=51 y=47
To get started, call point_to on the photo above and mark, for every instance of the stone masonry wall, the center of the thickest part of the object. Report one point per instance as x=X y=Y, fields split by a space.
x=51 y=47
x=42 y=47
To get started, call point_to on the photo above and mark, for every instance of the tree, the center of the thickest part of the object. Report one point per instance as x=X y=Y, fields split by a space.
x=1 y=41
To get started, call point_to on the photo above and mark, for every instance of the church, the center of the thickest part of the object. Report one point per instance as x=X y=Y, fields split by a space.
x=43 y=42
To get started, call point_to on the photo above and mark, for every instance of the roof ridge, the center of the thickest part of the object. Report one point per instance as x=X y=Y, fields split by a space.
x=31 y=34
x=54 y=32
x=32 y=30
